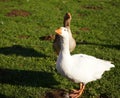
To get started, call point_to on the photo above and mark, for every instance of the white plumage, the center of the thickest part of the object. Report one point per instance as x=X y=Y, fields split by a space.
x=80 y=68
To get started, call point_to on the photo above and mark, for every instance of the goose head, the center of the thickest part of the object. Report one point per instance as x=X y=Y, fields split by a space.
x=63 y=32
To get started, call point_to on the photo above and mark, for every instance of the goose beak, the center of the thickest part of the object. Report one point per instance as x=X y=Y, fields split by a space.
x=58 y=31
x=69 y=15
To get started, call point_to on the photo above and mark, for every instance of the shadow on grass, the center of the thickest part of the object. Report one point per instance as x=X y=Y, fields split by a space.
x=108 y=46
x=20 y=50
x=27 y=78
x=4 y=96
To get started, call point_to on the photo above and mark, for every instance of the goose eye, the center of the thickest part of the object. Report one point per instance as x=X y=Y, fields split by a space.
x=64 y=29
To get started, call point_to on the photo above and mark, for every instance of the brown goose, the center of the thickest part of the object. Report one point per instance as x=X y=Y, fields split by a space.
x=72 y=43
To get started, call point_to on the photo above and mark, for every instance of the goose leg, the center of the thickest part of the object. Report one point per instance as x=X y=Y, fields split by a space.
x=78 y=93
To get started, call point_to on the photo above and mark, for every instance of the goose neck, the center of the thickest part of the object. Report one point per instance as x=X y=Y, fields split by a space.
x=65 y=46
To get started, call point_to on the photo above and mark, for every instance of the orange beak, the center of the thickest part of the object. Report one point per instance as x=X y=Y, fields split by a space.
x=58 y=31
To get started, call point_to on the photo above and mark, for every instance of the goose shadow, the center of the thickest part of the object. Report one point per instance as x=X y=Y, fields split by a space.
x=104 y=45
x=20 y=50
x=27 y=78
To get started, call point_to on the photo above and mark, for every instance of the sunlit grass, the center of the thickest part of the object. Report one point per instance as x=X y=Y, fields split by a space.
x=27 y=63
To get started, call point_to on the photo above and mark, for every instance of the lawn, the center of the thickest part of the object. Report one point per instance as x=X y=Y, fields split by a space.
x=27 y=62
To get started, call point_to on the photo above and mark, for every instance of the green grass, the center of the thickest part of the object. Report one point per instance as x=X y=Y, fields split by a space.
x=27 y=64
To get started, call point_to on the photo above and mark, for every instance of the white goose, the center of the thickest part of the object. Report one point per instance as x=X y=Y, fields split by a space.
x=80 y=68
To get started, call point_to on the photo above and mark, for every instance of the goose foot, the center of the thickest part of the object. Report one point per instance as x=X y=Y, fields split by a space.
x=77 y=93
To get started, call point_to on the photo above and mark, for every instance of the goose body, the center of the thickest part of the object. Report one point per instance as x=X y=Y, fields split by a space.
x=80 y=68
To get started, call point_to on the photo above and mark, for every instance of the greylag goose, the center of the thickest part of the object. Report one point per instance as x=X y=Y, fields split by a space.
x=80 y=68
x=72 y=43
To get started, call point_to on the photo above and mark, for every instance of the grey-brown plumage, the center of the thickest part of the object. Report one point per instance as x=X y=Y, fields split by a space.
x=72 y=43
